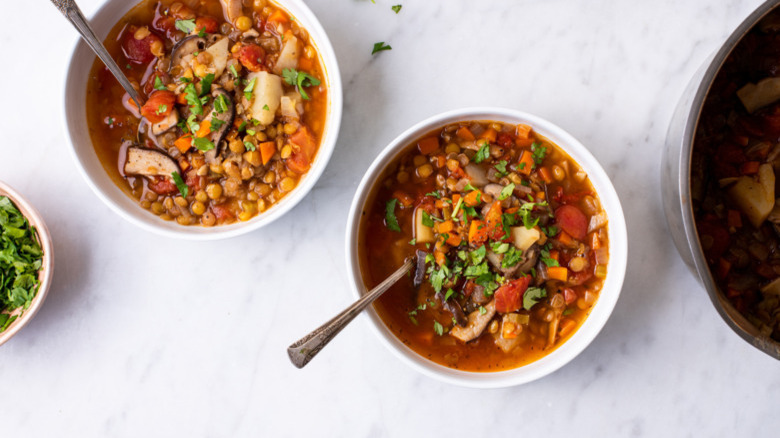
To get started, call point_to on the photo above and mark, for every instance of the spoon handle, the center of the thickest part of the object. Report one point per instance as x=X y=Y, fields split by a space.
x=71 y=11
x=304 y=350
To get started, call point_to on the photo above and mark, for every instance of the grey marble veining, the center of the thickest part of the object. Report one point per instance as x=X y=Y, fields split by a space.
x=148 y=336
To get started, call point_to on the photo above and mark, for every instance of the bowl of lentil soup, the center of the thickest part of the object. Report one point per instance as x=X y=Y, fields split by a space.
x=525 y=241
x=242 y=109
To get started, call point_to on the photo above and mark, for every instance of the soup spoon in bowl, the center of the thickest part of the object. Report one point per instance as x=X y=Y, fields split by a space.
x=302 y=351
x=71 y=11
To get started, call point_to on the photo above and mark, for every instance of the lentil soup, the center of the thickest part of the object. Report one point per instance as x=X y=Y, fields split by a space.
x=511 y=242
x=235 y=108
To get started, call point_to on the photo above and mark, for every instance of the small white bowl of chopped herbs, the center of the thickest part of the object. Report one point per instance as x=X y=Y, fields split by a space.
x=26 y=262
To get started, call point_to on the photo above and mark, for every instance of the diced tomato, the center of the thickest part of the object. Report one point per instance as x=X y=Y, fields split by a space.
x=305 y=140
x=569 y=295
x=572 y=221
x=428 y=145
x=162 y=186
x=159 y=106
x=222 y=212
x=509 y=297
x=194 y=181
x=298 y=163
x=504 y=140
x=570 y=198
x=138 y=51
x=162 y=22
x=208 y=24
x=468 y=288
x=252 y=57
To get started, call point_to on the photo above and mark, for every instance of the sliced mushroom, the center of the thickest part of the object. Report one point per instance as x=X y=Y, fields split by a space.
x=477 y=321
x=166 y=124
x=186 y=48
x=454 y=308
x=148 y=162
x=226 y=117
x=419 y=272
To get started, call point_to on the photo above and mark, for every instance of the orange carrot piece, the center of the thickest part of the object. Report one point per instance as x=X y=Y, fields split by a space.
x=267 y=150
x=554 y=254
x=558 y=273
x=489 y=134
x=465 y=133
x=184 y=164
x=478 y=232
x=454 y=239
x=472 y=198
x=445 y=227
x=523 y=131
x=428 y=145
x=205 y=128
x=567 y=324
x=526 y=163
x=304 y=63
x=540 y=196
x=183 y=143
x=403 y=198
x=545 y=174
x=278 y=17
x=564 y=238
x=440 y=258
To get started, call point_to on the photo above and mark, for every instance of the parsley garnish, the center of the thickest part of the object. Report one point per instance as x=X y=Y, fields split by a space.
x=501 y=168
x=438 y=328
x=478 y=255
x=161 y=109
x=265 y=108
x=300 y=79
x=482 y=310
x=249 y=146
x=203 y=144
x=435 y=194
x=449 y=293
x=232 y=69
x=215 y=123
x=192 y=125
x=512 y=257
x=546 y=259
x=186 y=26
x=220 y=103
x=426 y=219
x=191 y=95
x=482 y=154
x=506 y=192
x=249 y=89
x=499 y=247
x=413 y=242
x=532 y=296
x=183 y=188
x=390 y=220
x=158 y=84
x=205 y=84
x=380 y=46
x=396 y=8
x=538 y=153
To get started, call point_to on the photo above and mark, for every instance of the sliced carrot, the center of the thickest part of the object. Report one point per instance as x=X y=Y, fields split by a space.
x=465 y=133
x=278 y=17
x=184 y=164
x=526 y=163
x=750 y=168
x=523 y=131
x=183 y=143
x=441 y=259
x=181 y=99
x=545 y=174
x=554 y=254
x=734 y=219
x=567 y=324
x=454 y=239
x=440 y=161
x=493 y=221
x=267 y=150
x=472 y=198
x=540 y=196
x=455 y=198
x=445 y=227
x=564 y=238
x=304 y=63
x=524 y=142
x=489 y=134
x=558 y=273
x=403 y=198
x=509 y=330
x=428 y=145
x=205 y=128
x=441 y=203
x=478 y=233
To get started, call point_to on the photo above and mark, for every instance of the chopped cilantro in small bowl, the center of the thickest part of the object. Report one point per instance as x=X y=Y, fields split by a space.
x=25 y=262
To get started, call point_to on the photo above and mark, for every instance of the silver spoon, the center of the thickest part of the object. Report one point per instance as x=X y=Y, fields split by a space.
x=302 y=351
x=71 y=11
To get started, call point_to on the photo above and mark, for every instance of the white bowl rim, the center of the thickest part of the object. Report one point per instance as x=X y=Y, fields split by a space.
x=599 y=314
x=47 y=267
x=324 y=153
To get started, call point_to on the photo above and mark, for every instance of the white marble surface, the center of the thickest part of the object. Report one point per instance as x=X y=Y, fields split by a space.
x=146 y=336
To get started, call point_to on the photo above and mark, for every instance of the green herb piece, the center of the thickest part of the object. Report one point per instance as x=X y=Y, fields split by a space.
x=437 y=277
x=161 y=109
x=477 y=271
x=249 y=89
x=186 y=26
x=512 y=257
x=396 y=8
x=568 y=312
x=251 y=131
x=21 y=258
x=550 y=231
x=538 y=153
x=191 y=95
x=449 y=293
x=413 y=242
x=390 y=220
x=158 y=84
x=233 y=71
x=426 y=219
x=482 y=310
x=380 y=46
x=183 y=188
x=435 y=194
x=110 y=121
x=532 y=296
x=482 y=154
x=255 y=122
x=249 y=146
x=205 y=84
x=457 y=207
x=499 y=247
x=215 y=123
x=546 y=259
x=300 y=79
x=202 y=144
x=242 y=126
x=478 y=255
x=506 y=192
x=501 y=168
x=469 y=187
x=202 y=32
x=265 y=108
x=192 y=125
x=438 y=328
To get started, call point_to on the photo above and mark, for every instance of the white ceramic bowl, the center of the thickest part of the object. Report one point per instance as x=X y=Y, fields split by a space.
x=615 y=270
x=46 y=273
x=99 y=180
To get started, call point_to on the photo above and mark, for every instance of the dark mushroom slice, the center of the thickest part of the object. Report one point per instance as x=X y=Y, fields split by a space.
x=454 y=308
x=148 y=162
x=477 y=321
x=419 y=272
x=224 y=102
x=187 y=46
x=166 y=124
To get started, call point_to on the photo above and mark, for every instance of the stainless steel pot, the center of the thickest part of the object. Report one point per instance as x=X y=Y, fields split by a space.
x=676 y=188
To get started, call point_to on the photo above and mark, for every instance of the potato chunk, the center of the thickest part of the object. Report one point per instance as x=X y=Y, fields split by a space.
x=219 y=56
x=288 y=58
x=755 y=96
x=266 y=96
x=755 y=197
x=422 y=233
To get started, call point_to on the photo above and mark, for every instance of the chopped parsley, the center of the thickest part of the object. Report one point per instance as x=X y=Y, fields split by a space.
x=205 y=84
x=203 y=144
x=265 y=108
x=186 y=26
x=161 y=109
x=380 y=46
x=249 y=89
x=482 y=310
x=183 y=188
x=20 y=260
x=506 y=192
x=512 y=257
x=478 y=255
x=215 y=123
x=232 y=70
x=482 y=154
x=300 y=79
x=220 y=103
x=532 y=296
x=499 y=247
x=158 y=84
x=546 y=259
x=249 y=146
x=191 y=124
x=538 y=152
x=390 y=220
x=426 y=219
x=435 y=194
x=449 y=293
x=413 y=242
x=438 y=328
x=191 y=95
x=501 y=168
x=396 y=8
